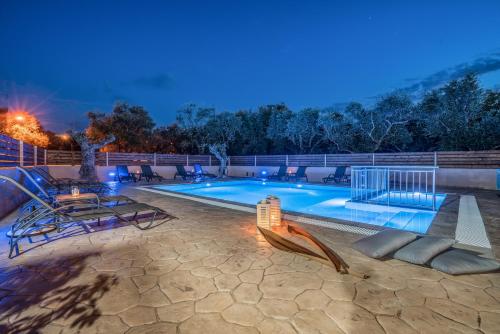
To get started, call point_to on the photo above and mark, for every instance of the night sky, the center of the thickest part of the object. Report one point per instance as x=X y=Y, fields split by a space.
x=60 y=59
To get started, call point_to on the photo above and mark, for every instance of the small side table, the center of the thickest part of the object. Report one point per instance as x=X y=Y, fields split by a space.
x=68 y=198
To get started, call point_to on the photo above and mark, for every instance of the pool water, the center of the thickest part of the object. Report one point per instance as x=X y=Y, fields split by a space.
x=317 y=200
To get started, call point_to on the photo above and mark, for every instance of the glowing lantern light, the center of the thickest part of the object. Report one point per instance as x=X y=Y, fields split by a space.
x=75 y=191
x=264 y=214
x=275 y=216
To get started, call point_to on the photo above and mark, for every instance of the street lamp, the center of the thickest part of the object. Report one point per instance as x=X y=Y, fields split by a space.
x=67 y=137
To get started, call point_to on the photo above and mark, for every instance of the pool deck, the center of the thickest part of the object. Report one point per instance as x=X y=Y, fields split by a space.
x=210 y=271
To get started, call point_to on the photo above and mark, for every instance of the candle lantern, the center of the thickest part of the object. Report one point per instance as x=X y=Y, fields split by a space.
x=275 y=216
x=75 y=191
x=264 y=214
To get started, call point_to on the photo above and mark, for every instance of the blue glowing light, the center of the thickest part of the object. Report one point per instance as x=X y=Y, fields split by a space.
x=299 y=186
x=264 y=172
x=208 y=184
x=263 y=183
x=38 y=179
x=111 y=174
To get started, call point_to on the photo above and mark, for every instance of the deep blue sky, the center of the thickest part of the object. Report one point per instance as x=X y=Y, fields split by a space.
x=62 y=59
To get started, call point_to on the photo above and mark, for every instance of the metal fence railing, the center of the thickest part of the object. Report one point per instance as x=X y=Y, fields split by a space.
x=409 y=186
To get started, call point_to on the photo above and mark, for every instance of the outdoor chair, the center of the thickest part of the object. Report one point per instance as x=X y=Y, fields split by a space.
x=279 y=175
x=148 y=173
x=49 y=195
x=59 y=186
x=339 y=176
x=122 y=174
x=299 y=174
x=198 y=170
x=47 y=218
x=185 y=175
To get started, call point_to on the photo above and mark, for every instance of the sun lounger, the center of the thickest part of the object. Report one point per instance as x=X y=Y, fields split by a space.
x=185 y=175
x=46 y=217
x=339 y=175
x=149 y=175
x=198 y=170
x=299 y=174
x=279 y=175
x=122 y=174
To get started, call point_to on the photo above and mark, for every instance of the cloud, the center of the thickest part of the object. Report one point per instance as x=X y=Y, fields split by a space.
x=479 y=66
x=160 y=82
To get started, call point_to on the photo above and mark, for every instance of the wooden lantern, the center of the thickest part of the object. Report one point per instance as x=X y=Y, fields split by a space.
x=275 y=216
x=264 y=214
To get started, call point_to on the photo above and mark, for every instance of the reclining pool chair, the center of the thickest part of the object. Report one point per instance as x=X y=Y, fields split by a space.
x=280 y=174
x=122 y=174
x=339 y=175
x=198 y=170
x=46 y=218
x=48 y=195
x=299 y=174
x=148 y=173
x=63 y=185
x=185 y=175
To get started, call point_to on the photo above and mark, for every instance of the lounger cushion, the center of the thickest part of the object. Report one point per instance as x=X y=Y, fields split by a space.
x=460 y=261
x=422 y=250
x=383 y=243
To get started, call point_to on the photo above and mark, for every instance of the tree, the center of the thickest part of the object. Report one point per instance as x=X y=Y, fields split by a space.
x=279 y=116
x=131 y=125
x=221 y=132
x=303 y=130
x=339 y=130
x=88 y=148
x=23 y=126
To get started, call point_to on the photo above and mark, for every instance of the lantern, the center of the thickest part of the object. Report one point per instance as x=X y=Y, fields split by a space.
x=275 y=216
x=264 y=214
x=75 y=191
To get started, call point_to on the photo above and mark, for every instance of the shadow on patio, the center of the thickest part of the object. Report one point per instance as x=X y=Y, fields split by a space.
x=50 y=292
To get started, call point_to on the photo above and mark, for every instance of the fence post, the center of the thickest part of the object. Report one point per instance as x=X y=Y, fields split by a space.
x=286 y=161
x=21 y=153
x=45 y=157
x=255 y=161
x=435 y=159
x=107 y=159
x=187 y=159
x=229 y=160
x=154 y=159
x=325 y=160
x=35 y=155
x=373 y=159
x=210 y=160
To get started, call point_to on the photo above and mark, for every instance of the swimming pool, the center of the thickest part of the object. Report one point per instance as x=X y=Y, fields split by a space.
x=317 y=200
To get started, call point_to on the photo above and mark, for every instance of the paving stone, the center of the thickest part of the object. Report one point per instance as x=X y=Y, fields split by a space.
x=177 y=312
x=154 y=298
x=315 y=322
x=182 y=285
x=212 y=323
x=161 y=267
x=145 y=282
x=138 y=315
x=252 y=276
x=215 y=302
x=276 y=308
x=312 y=300
x=352 y=318
x=471 y=296
x=120 y=297
x=288 y=286
x=275 y=326
x=157 y=328
x=377 y=299
x=261 y=264
x=207 y=272
x=426 y=321
x=226 y=282
x=454 y=311
x=247 y=293
x=242 y=314
x=490 y=322
x=235 y=265
x=393 y=325
x=343 y=291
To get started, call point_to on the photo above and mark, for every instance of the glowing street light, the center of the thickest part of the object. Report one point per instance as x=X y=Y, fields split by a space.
x=19 y=118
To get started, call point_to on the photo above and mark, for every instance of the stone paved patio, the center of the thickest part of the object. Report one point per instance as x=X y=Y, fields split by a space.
x=209 y=271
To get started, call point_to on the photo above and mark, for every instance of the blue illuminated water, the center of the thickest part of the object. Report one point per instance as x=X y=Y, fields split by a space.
x=318 y=200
